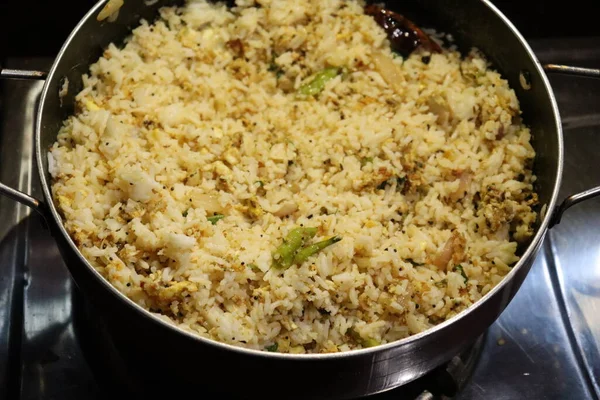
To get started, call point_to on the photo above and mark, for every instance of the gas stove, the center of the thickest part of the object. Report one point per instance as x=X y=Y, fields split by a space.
x=544 y=346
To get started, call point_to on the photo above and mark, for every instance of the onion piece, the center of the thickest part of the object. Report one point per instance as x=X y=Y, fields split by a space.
x=464 y=180
x=389 y=71
x=286 y=209
x=439 y=106
x=109 y=9
x=452 y=250
x=208 y=202
x=503 y=233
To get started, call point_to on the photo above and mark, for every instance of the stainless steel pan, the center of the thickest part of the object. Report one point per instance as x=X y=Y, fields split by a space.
x=167 y=357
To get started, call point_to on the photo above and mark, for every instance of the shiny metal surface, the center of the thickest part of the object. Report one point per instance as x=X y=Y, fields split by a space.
x=20 y=156
x=570 y=70
x=571 y=201
x=15 y=170
x=530 y=352
x=369 y=370
x=343 y=375
x=16 y=150
x=44 y=358
x=26 y=74
x=21 y=197
x=52 y=364
x=541 y=358
x=576 y=241
x=45 y=361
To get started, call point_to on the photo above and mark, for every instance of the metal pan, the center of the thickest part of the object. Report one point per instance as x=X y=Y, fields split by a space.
x=167 y=358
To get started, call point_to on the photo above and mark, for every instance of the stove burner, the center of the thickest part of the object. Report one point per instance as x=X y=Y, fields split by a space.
x=445 y=382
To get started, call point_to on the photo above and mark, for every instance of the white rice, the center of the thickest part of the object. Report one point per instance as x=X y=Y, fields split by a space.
x=422 y=168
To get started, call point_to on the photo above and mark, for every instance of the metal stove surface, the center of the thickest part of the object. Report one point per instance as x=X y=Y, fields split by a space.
x=544 y=346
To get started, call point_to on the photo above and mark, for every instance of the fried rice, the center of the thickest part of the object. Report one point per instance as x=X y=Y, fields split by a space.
x=200 y=146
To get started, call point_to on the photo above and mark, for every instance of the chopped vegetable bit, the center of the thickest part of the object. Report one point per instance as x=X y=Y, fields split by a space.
x=366 y=160
x=317 y=84
x=252 y=208
x=370 y=342
x=185 y=213
x=442 y=283
x=213 y=220
x=272 y=348
x=460 y=269
x=276 y=69
x=308 y=251
x=292 y=250
x=400 y=181
x=259 y=183
x=253 y=267
x=283 y=257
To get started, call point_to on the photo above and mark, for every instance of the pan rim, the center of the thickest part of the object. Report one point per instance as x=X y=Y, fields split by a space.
x=528 y=254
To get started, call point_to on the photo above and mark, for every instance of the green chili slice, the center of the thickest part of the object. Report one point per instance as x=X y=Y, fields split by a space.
x=283 y=257
x=317 y=83
x=213 y=220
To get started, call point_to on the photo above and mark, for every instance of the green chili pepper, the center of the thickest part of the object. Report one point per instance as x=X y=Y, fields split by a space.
x=283 y=257
x=273 y=67
x=272 y=348
x=308 y=251
x=460 y=269
x=370 y=342
x=442 y=283
x=400 y=181
x=317 y=84
x=213 y=220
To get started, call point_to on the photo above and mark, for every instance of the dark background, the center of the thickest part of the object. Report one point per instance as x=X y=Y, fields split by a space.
x=38 y=28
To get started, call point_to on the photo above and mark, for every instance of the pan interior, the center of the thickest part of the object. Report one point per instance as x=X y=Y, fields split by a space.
x=476 y=24
x=487 y=31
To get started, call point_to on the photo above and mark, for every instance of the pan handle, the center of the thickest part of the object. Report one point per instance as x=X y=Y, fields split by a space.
x=7 y=191
x=571 y=201
x=6 y=73
x=588 y=194
x=23 y=198
x=570 y=70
